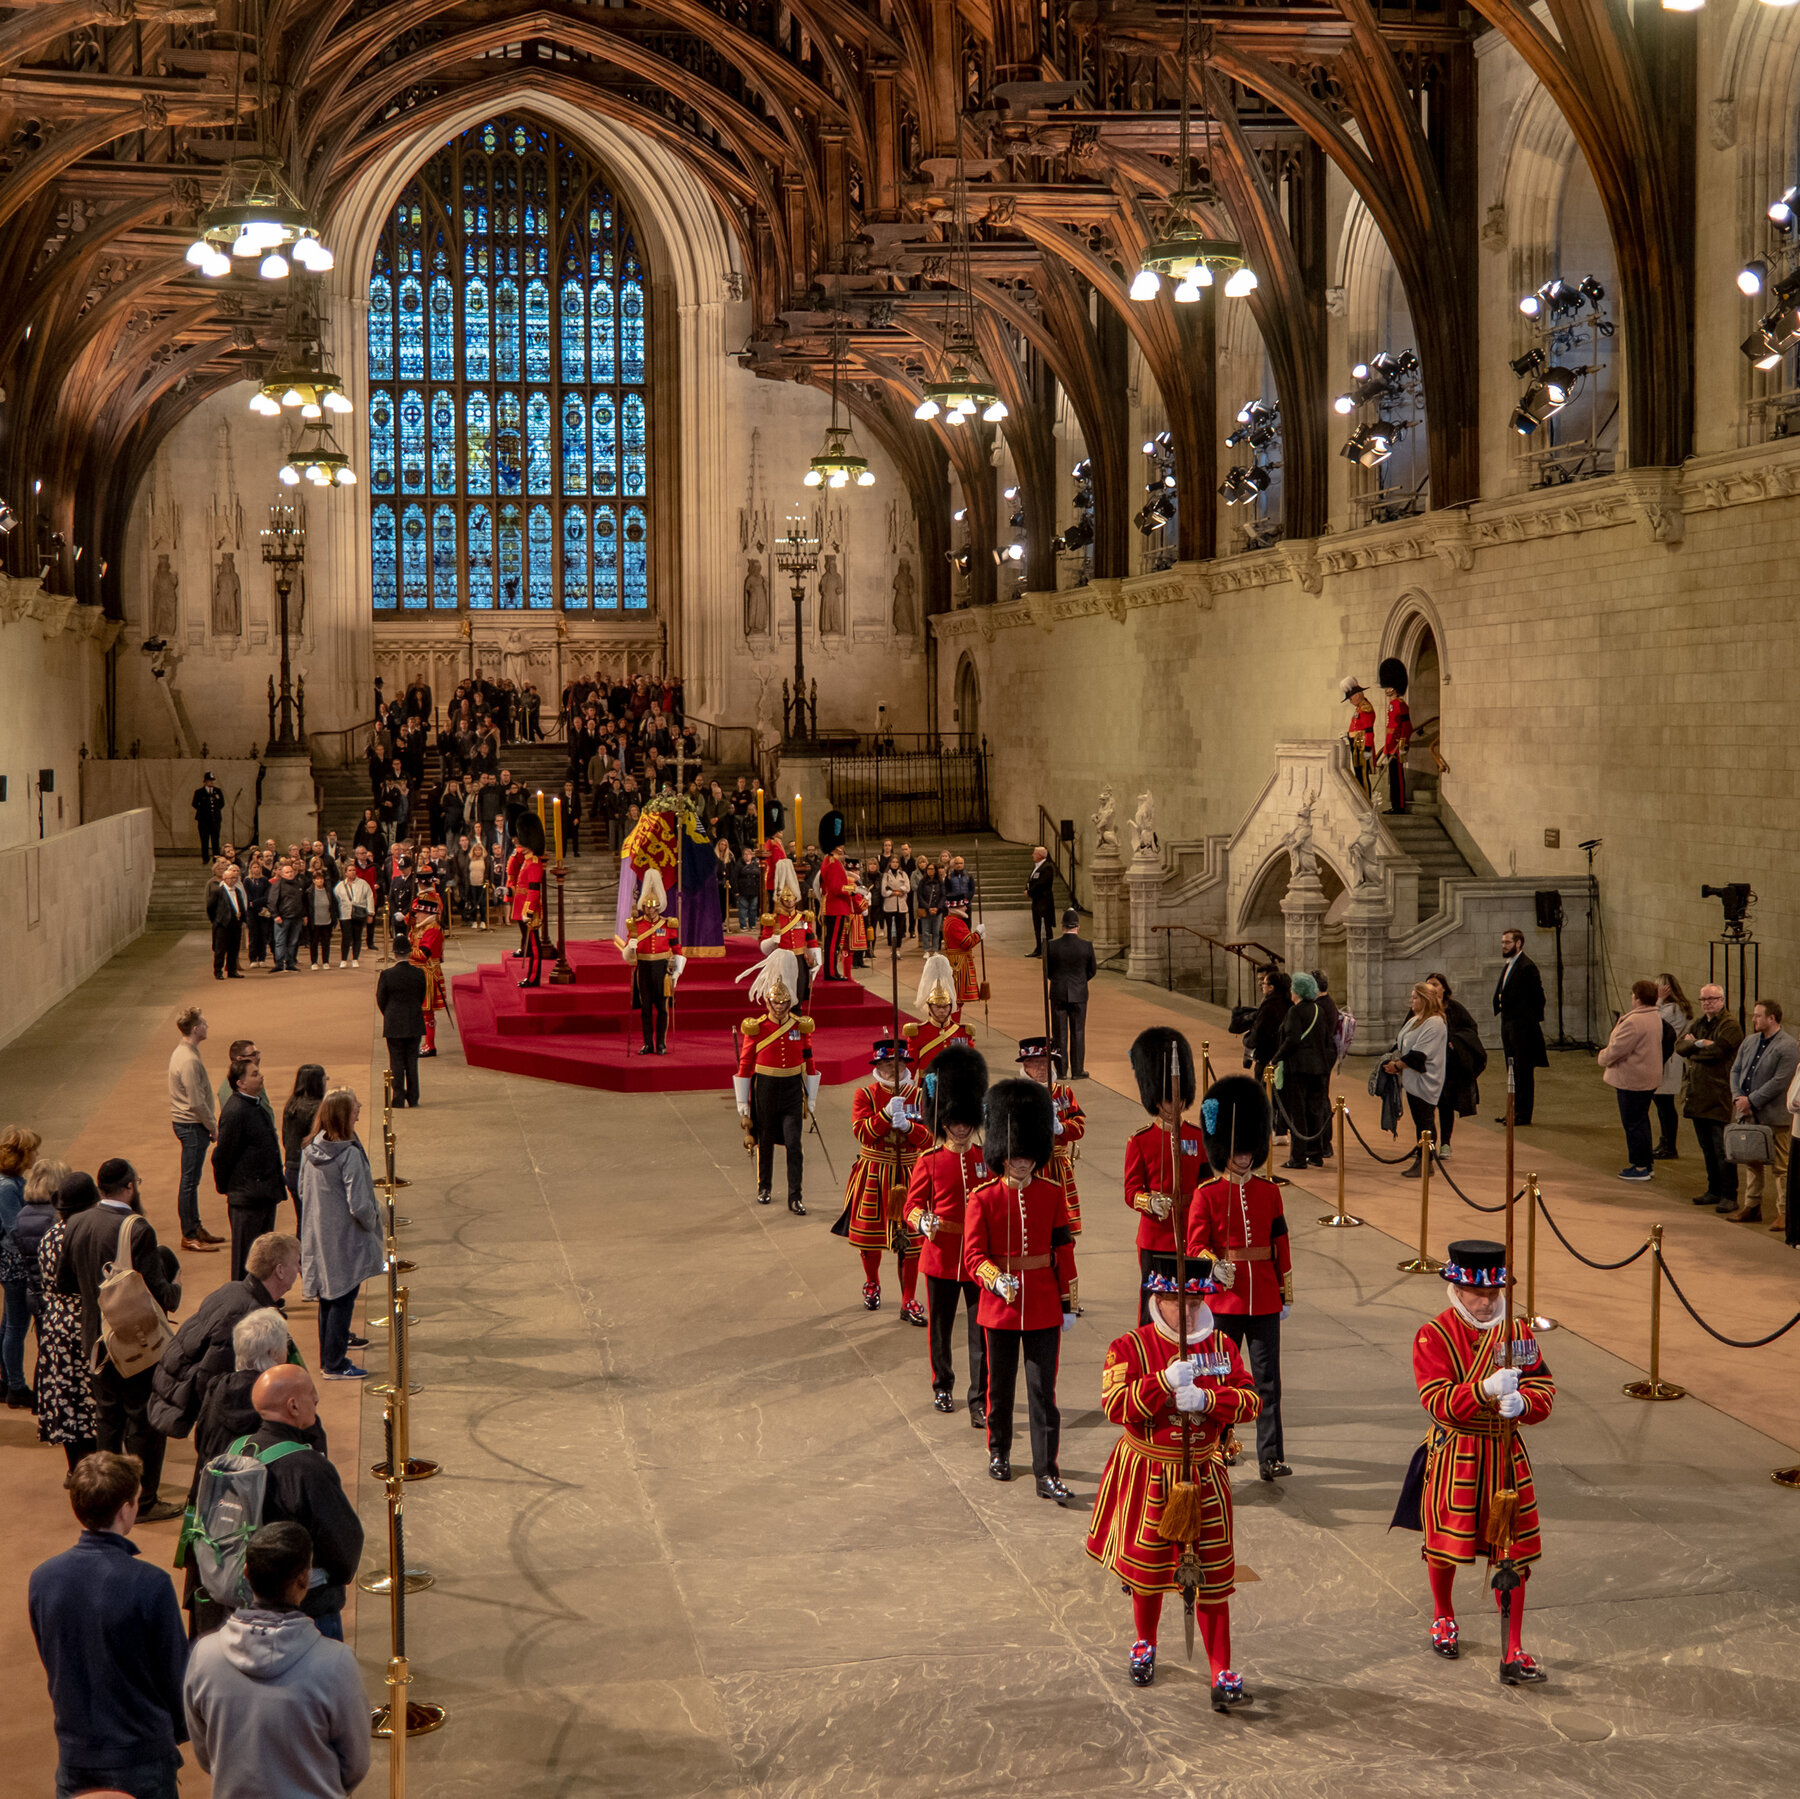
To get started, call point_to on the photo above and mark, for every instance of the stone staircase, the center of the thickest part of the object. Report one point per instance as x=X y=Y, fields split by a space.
x=1421 y=834
x=178 y=892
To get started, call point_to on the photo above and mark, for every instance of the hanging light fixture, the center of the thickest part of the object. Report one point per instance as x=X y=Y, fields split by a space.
x=254 y=215
x=840 y=462
x=302 y=378
x=1183 y=251
x=966 y=393
x=317 y=459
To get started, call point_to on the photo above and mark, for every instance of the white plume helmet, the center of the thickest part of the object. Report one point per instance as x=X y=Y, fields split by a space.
x=1350 y=685
x=787 y=883
x=777 y=969
x=937 y=984
x=651 y=891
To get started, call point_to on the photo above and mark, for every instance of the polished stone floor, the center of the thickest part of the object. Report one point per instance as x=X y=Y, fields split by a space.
x=699 y=1531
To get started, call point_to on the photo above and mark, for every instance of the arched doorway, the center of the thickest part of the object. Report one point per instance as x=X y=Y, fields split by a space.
x=1415 y=634
x=967 y=714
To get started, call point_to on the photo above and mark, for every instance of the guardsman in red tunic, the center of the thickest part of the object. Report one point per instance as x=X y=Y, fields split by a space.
x=887 y=1118
x=1481 y=1380
x=428 y=954
x=1399 y=731
x=1017 y=1244
x=1149 y=1387
x=936 y=1203
x=525 y=884
x=960 y=939
x=653 y=953
x=834 y=885
x=1361 y=734
x=1164 y=1066
x=1238 y=1222
x=775 y=1085
x=942 y=1024
x=1035 y=1057
x=790 y=927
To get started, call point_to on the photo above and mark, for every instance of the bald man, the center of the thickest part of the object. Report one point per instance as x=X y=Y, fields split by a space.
x=303 y=1486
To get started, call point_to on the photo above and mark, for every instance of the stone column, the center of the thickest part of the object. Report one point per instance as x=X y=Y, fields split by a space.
x=1366 y=927
x=1112 y=920
x=1303 y=906
x=1144 y=879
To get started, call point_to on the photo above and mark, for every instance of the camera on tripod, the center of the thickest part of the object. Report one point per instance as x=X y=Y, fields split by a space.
x=1737 y=899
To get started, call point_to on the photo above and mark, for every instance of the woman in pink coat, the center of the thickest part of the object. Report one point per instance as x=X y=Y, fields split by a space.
x=1633 y=1060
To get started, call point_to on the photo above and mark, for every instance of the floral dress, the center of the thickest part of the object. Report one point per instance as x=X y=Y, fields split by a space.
x=65 y=1401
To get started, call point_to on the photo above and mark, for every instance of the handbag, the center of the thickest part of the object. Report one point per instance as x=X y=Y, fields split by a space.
x=1753 y=1144
x=1242 y=1018
x=134 y=1329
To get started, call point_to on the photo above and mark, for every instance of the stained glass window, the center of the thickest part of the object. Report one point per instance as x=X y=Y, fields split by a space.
x=509 y=369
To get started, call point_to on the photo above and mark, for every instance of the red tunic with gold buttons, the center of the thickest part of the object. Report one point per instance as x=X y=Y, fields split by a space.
x=525 y=881
x=1147 y=1171
x=874 y=1195
x=1062 y=1165
x=789 y=930
x=1362 y=723
x=1243 y=1223
x=942 y=1180
x=428 y=954
x=1146 y=1461
x=1399 y=726
x=766 y=1047
x=929 y=1040
x=1023 y=1232
x=959 y=951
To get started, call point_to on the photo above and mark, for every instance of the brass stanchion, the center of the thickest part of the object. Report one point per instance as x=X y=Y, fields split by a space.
x=1424 y=1262
x=411 y=1467
x=1340 y=1219
x=1785 y=1477
x=1269 y=1095
x=421 y=1717
x=1655 y=1387
x=1206 y=1067
x=1538 y=1323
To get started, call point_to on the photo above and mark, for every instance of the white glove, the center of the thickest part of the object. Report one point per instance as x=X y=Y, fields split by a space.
x=812 y=1088
x=1179 y=1374
x=928 y=1226
x=740 y=1089
x=1194 y=1399
x=1285 y=1311
x=1512 y=1405
x=768 y=943
x=1501 y=1382
x=1068 y=1320
x=676 y=965
x=1225 y=1273
x=1058 y=1126
x=1161 y=1205
x=896 y=1112
x=815 y=960
x=1007 y=1286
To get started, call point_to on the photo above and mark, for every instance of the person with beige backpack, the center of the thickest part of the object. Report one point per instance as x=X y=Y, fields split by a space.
x=128 y=1285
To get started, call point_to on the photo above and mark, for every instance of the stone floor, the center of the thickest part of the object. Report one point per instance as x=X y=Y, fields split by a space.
x=700 y=1531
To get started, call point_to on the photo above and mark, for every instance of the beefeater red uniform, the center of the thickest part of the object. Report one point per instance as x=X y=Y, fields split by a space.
x=1463 y=1471
x=928 y=1040
x=959 y=950
x=428 y=954
x=1062 y=1166
x=1243 y=1223
x=876 y=1192
x=1147 y=1171
x=1146 y=1461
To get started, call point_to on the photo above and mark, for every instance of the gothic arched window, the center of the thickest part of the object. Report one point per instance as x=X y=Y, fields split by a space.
x=509 y=406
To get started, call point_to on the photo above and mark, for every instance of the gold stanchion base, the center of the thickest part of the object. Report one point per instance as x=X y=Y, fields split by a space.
x=380 y=1320
x=421 y=1719
x=417 y=1468
x=1786 y=1477
x=417 y=1580
x=1653 y=1389
x=1540 y=1325
x=1340 y=1220
x=1421 y=1265
x=384 y=1185
x=403 y=1266
x=412 y=1386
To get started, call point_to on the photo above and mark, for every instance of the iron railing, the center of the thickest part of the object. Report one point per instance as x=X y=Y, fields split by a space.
x=1244 y=967
x=908 y=792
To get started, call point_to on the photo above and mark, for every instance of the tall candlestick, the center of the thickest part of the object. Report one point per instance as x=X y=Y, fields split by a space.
x=556 y=813
x=799 y=832
x=760 y=833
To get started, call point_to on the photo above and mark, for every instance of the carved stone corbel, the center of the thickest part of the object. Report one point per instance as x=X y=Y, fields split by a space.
x=1303 y=567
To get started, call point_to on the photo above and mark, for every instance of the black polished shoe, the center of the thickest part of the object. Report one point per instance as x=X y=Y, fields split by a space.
x=942 y=1402
x=1665 y=1153
x=1049 y=1487
x=764 y=1196
x=977 y=1418
x=1521 y=1671
x=1291 y=1163
x=1270 y=1470
x=999 y=1468
x=1411 y=1171
x=797 y=1207
x=1228 y=1690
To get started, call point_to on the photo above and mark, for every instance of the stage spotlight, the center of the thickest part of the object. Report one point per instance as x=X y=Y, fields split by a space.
x=1562 y=385
x=1531 y=363
x=1783 y=212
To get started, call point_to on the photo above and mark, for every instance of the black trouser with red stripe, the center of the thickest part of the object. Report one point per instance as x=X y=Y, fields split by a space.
x=652 y=1002
x=1039 y=1349
x=1259 y=1336
x=940 y=1299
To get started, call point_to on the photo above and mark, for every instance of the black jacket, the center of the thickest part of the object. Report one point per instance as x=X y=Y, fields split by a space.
x=287 y=900
x=89 y=1245
x=1519 y=1005
x=200 y=1354
x=1264 y=1036
x=227 y=919
x=1071 y=964
x=306 y=1489
x=400 y=993
x=247 y=1157
x=1040 y=884
x=1465 y=1060
x=1303 y=1046
x=209 y=804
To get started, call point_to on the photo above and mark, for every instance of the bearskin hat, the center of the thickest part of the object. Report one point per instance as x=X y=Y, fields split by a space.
x=956 y=1086
x=1150 y=1063
x=1392 y=673
x=1234 y=1121
x=1020 y=1121
x=528 y=833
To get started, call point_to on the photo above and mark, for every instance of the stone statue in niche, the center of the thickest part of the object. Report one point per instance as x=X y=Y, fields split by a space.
x=515 y=660
x=1303 y=859
x=756 y=600
x=831 y=599
x=1365 y=851
x=165 y=600
x=1106 y=829
x=1143 y=827
x=227 y=597
x=906 y=601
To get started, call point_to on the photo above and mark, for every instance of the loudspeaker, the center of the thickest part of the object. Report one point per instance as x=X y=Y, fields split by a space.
x=1067 y=830
x=2 y=787
x=46 y=780
x=1549 y=909
x=831 y=832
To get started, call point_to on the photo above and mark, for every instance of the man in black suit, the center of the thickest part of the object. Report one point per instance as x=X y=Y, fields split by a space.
x=1519 y=1005
x=400 y=993
x=247 y=1162
x=121 y=1401
x=228 y=908
x=1070 y=965
x=209 y=815
x=1040 y=889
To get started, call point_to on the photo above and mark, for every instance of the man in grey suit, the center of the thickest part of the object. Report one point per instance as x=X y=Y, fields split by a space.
x=1765 y=1064
x=1069 y=967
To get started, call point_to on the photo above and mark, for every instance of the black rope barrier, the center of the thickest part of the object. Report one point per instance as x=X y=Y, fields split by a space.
x=1473 y=1204
x=1719 y=1336
x=1587 y=1261
x=1385 y=1161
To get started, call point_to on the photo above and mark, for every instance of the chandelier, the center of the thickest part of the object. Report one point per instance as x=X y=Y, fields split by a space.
x=840 y=462
x=967 y=393
x=302 y=379
x=1183 y=251
x=317 y=459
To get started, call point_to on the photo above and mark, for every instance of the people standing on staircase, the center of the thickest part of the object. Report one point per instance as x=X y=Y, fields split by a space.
x=775 y=1085
x=653 y=953
x=1035 y=1059
x=942 y=1024
x=1361 y=735
x=887 y=1120
x=1392 y=676
x=1166 y=1160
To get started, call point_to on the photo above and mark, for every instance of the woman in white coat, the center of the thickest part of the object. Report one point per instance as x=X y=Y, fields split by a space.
x=1421 y=1058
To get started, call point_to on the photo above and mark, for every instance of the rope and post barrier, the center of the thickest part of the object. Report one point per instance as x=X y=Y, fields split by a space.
x=1340 y=1219
x=1206 y=1068
x=1655 y=1387
x=1539 y=1324
x=1424 y=1262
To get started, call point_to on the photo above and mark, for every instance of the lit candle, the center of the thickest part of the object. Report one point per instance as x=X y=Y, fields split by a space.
x=556 y=814
x=759 y=818
x=541 y=819
x=799 y=830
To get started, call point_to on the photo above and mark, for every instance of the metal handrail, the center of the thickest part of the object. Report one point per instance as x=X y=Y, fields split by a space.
x=347 y=732
x=1271 y=959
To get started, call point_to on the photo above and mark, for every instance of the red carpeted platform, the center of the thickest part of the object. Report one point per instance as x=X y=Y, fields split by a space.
x=588 y=1034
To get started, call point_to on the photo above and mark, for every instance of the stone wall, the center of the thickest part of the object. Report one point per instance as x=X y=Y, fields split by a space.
x=67 y=905
x=165 y=789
